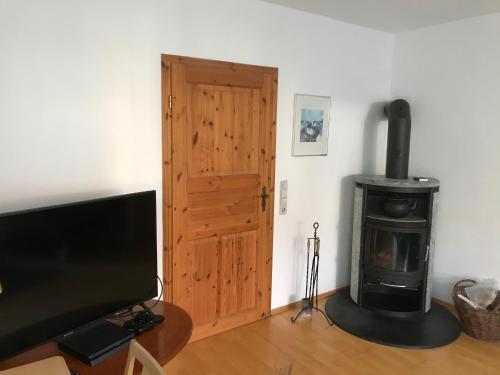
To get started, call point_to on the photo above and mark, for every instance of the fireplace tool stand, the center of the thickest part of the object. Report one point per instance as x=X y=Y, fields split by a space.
x=310 y=301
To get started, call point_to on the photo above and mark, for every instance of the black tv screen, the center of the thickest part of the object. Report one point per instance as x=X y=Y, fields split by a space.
x=64 y=266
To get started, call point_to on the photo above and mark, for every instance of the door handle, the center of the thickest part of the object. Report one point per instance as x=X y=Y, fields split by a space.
x=264 y=197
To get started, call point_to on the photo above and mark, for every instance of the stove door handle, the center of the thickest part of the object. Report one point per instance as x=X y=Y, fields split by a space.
x=394 y=285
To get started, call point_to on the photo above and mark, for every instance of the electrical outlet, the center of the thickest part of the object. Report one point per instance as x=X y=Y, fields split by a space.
x=283 y=206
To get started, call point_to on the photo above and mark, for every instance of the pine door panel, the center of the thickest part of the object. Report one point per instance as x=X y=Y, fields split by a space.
x=238 y=274
x=224 y=140
x=218 y=234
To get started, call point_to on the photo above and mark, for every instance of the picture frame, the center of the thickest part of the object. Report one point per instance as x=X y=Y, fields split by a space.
x=311 y=122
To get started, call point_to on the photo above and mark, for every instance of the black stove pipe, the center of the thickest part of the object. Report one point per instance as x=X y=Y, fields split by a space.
x=398 y=139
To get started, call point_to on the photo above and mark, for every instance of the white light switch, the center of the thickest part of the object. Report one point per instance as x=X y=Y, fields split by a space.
x=283 y=196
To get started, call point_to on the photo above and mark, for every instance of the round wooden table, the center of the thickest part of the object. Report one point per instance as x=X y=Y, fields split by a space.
x=164 y=342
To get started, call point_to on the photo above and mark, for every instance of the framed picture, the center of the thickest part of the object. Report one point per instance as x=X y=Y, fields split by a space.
x=310 y=125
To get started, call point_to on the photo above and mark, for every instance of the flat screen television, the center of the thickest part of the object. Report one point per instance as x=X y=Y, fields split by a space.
x=64 y=266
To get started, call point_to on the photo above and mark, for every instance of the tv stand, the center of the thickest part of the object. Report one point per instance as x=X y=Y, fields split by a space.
x=163 y=342
x=143 y=320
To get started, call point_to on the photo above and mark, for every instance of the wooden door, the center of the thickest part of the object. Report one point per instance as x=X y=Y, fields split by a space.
x=219 y=155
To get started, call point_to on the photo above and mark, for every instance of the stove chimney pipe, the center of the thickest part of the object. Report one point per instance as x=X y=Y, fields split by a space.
x=398 y=139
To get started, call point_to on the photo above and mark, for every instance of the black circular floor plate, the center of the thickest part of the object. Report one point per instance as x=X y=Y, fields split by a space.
x=439 y=327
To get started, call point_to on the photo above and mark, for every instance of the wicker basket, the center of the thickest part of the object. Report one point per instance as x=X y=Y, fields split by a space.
x=481 y=324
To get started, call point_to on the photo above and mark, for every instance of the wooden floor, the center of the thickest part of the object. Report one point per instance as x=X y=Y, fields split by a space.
x=310 y=346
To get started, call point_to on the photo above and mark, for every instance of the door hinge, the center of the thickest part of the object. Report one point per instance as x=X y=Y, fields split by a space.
x=170 y=101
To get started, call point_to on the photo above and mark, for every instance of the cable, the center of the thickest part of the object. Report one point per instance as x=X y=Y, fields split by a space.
x=161 y=293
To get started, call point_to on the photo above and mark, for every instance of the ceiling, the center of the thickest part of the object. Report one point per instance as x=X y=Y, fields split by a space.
x=395 y=15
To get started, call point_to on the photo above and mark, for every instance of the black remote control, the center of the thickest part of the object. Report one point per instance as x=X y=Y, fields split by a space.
x=143 y=321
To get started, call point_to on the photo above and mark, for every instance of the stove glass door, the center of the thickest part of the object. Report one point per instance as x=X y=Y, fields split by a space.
x=392 y=250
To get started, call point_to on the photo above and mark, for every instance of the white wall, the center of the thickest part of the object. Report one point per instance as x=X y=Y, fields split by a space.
x=80 y=106
x=450 y=73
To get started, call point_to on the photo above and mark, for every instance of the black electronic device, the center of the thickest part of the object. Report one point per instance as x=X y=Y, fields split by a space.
x=65 y=266
x=95 y=342
x=143 y=321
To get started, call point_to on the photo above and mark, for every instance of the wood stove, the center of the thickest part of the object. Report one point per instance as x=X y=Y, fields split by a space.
x=393 y=232
x=389 y=300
